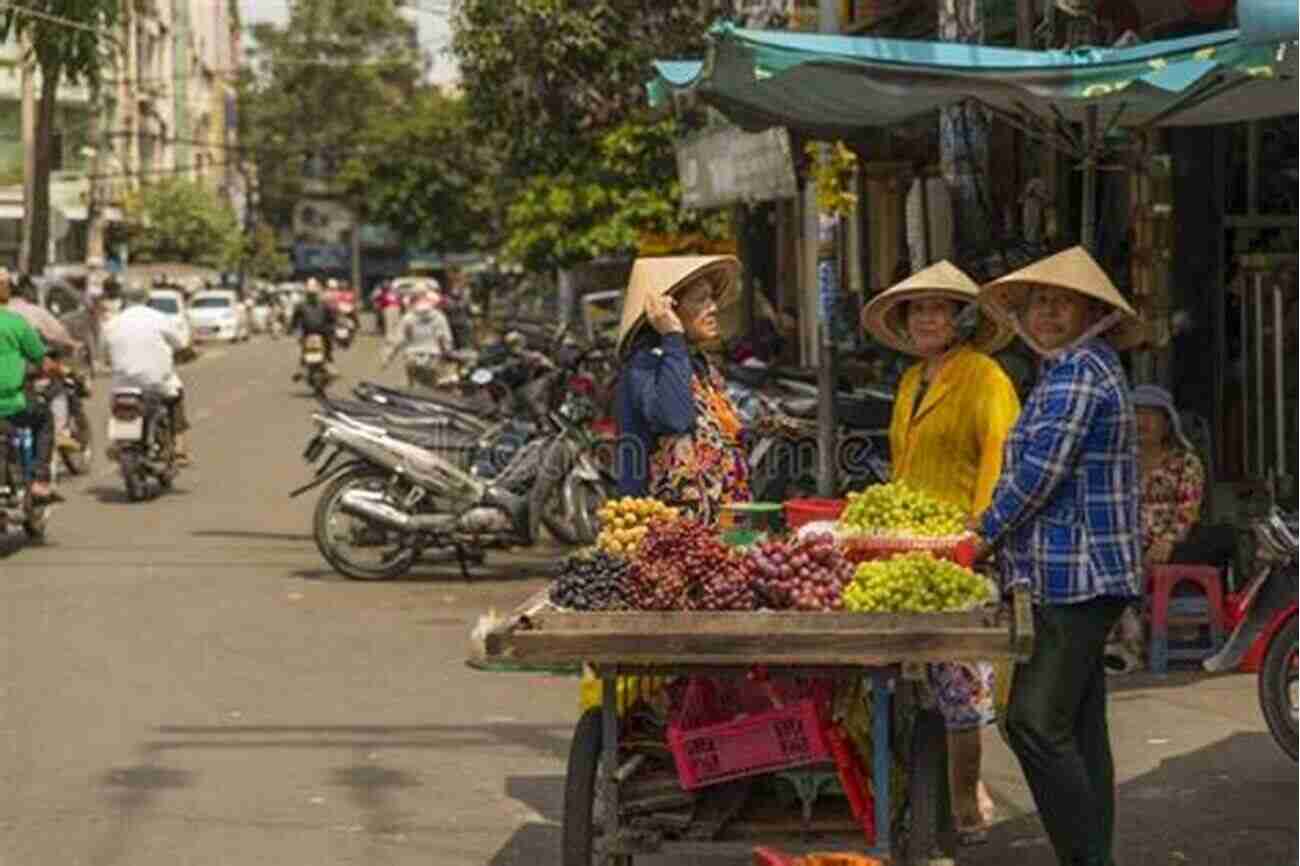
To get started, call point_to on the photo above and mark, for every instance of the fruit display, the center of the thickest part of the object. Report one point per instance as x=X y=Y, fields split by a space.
x=915 y=582
x=682 y=565
x=809 y=574
x=592 y=580
x=624 y=522
x=895 y=509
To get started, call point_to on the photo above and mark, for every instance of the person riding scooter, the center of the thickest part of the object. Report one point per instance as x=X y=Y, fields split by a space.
x=314 y=316
x=25 y=302
x=422 y=331
x=21 y=346
x=141 y=344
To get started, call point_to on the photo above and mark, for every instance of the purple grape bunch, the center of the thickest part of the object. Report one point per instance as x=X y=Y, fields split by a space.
x=807 y=574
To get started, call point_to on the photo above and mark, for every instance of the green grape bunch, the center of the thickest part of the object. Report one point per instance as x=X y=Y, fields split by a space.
x=915 y=583
x=895 y=509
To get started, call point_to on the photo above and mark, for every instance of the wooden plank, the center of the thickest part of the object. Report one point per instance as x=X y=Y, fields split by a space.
x=864 y=647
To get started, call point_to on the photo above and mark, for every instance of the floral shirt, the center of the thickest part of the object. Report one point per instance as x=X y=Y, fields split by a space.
x=702 y=470
x=1171 y=497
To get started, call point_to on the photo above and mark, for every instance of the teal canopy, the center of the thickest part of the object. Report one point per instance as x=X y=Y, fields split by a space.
x=842 y=86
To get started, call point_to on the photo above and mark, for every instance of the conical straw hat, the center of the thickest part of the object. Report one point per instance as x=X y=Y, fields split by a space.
x=1072 y=269
x=884 y=317
x=668 y=275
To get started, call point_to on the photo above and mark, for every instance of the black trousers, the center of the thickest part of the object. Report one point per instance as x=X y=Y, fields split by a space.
x=38 y=419
x=1056 y=725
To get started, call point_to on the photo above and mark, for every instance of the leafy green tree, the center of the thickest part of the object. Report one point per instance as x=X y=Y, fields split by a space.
x=262 y=257
x=311 y=88
x=423 y=173
x=180 y=220
x=560 y=87
x=69 y=41
x=606 y=207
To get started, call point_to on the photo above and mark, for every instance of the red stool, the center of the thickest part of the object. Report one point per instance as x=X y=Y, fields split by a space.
x=1164 y=612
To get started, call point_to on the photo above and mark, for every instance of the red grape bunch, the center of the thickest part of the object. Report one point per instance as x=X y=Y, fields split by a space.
x=800 y=574
x=681 y=565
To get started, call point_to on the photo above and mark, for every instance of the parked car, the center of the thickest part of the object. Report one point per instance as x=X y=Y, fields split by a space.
x=218 y=315
x=171 y=303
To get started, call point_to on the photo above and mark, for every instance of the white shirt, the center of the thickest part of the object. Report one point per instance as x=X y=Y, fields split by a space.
x=140 y=343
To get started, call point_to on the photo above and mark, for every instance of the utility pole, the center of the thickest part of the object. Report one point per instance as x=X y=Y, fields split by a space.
x=94 y=190
x=824 y=250
x=29 y=151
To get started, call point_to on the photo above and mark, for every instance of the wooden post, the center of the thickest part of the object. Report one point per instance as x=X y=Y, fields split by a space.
x=29 y=151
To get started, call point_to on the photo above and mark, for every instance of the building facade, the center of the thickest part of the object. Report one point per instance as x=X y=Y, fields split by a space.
x=166 y=108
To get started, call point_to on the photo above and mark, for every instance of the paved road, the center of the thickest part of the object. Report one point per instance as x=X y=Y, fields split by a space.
x=183 y=682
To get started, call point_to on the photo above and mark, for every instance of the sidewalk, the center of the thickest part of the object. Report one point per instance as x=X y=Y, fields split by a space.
x=1201 y=782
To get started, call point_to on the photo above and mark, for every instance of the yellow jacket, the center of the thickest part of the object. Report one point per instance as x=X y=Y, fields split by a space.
x=952 y=446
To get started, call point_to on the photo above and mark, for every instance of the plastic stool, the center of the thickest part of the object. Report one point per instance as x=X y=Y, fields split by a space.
x=1163 y=611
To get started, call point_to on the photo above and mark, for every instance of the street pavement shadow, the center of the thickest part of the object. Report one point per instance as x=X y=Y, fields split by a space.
x=11 y=543
x=252 y=536
x=116 y=494
x=1232 y=803
x=535 y=841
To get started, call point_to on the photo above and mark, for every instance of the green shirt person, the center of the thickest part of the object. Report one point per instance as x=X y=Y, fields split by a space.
x=21 y=347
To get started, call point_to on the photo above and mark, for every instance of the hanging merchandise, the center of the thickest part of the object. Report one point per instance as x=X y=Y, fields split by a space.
x=935 y=201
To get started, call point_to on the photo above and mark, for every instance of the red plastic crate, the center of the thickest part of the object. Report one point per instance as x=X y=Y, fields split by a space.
x=801 y=511
x=760 y=743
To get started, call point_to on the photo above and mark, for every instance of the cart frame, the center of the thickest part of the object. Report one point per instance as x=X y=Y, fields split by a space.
x=876 y=646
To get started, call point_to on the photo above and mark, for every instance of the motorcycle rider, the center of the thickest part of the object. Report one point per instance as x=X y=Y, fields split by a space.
x=424 y=329
x=141 y=342
x=20 y=346
x=314 y=316
x=25 y=302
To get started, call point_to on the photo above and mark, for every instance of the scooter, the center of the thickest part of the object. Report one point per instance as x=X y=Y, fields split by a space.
x=142 y=441
x=315 y=368
x=16 y=505
x=1270 y=613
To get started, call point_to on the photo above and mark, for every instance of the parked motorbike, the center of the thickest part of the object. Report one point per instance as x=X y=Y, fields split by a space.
x=1270 y=605
x=142 y=441
x=388 y=500
x=784 y=448
x=16 y=505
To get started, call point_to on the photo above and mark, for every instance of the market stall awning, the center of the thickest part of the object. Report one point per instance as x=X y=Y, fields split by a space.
x=841 y=86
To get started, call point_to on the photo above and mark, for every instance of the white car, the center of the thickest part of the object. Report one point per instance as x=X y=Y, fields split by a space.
x=171 y=303
x=218 y=315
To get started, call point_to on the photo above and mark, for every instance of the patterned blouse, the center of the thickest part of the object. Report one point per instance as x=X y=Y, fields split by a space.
x=702 y=470
x=1171 y=497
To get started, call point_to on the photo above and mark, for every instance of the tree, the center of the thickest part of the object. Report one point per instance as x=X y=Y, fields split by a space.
x=180 y=220
x=607 y=206
x=313 y=86
x=557 y=88
x=262 y=257
x=67 y=40
x=423 y=173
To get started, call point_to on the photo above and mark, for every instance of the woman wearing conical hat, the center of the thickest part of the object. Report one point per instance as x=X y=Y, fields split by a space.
x=679 y=433
x=952 y=413
x=1064 y=517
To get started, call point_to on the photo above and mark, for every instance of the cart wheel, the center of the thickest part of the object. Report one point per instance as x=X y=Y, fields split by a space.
x=582 y=811
x=930 y=827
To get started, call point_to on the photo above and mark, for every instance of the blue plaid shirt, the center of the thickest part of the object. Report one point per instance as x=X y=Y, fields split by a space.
x=1065 y=511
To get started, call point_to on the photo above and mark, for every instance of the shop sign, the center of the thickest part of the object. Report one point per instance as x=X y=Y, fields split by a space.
x=729 y=166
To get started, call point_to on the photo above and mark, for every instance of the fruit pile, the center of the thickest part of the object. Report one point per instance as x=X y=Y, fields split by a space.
x=915 y=583
x=804 y=574
x=895 y=509
x=624 y=522
x=682 y=565
x=590 y=581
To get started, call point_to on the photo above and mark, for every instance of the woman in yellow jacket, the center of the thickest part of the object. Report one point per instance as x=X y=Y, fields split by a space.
x=952 y=413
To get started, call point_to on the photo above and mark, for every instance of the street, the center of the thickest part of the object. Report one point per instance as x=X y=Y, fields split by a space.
x=184 y=681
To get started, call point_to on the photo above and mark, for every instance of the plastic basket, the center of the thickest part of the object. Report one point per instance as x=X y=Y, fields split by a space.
x=760 y=516
x=801 y=511
x=761 y=743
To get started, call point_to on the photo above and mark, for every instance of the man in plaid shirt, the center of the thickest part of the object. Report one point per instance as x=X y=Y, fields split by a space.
x=1064 y=517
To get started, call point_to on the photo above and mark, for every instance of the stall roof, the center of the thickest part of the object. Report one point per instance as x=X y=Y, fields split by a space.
x=841 y=86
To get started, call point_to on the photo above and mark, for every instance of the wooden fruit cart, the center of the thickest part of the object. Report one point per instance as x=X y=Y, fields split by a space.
x=885 y=650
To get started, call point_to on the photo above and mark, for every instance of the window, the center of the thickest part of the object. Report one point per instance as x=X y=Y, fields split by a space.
x=165 y=304
x=210 y=302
